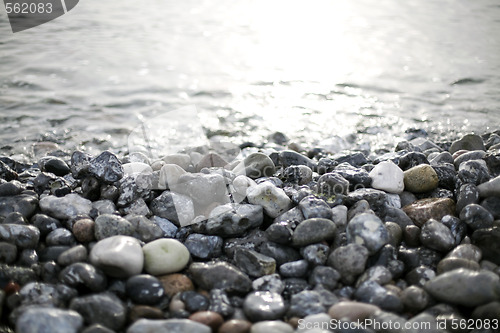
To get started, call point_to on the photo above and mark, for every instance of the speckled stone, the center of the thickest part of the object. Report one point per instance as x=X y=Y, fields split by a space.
x=41 y=319
x=175 y=283
x=433 y=208
x=349 y=261
x=84 y=230
x=219 y=275
x=436 y=236
x=367 y=230
x=421 y=178
x=467 y=142
x=108 y=225
x=272 y=199
x=476 y=217
x=253 y=263
x=22 y=236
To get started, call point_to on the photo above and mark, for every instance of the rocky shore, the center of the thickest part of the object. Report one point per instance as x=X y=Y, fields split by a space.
x=282 y=239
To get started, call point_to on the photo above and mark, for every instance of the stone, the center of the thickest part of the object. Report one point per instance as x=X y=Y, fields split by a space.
x=255 y=166
x=449 y=264
x=175 y=283
x=387 y=176
x=349 y=261
x=415 y=298
x=487 y=240
x=145 y=289
x=54 y=165
x=312 y=207
x=315 y=254
x=280 y=232
x=288 y=158
x=490 y=188
x=474 y=172
x=145 y=229
x=296 y=268
x=60 y=236
x=8 y=253
x=253 y=263
x=23 y=203
x=84 y=230
x=421 y=178
x=6 y=172
x=22 y=236
x=169 y=176
x=182 y=160
x=373 y=293
x=118 y=256
x=352 y=311
x=167 y=325
x=367 y=230
x=378 y=274
x=240 y=186
x=211 y=160
x=467 y=194
x=357 y=177
x=105 y=309
x=235 y=326
x=376 y=199
x=433 y=208
x=325 y=276
x=83 y=276
x=467 y=142
x=194 y=301
x=436 y=236
x=271 y=326
x=41 y=319
x=144 y=312
x=132 y=168
x=316 y=323
x=305 y=303
x=312 y=231
x=270 y=282
x=11 y=188
x=488 y=311
x=203 y=189
x=476 y=217
x=175 y=207
x=67 y=207
x=165 y=256
x=273 y=200
x=209 y=318
x=106 y=167
x=75 y=254
x=332 y=184
x=203 y=246
x=108 y=225
x=231 y=220
x=264 y=305
x=220 y=303
x=465 y=287
x=219 y=275
x=492 y=205
x=299 y=174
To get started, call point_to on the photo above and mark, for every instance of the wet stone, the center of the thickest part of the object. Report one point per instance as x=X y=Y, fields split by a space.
x=51 y=253
x=468 y=194
x=415 y=298
x=57 y=320
x=420 y=275
x=60 y=236
x=435 y=208
x=84 y=277
x=457 y=227
x=294 y=268
x=22 y=236
x=253 y=263
x=66 y=207
x=315 y=254
x=235 y=326
x=490 y=188
x=107 y=167
x=375 y=198
x=11 y=188
x=264 y=305
x=145 y=289
x=194 y=301
x=299 y=174
x=270 y=282
x=144 y=312
x=476 y=217
x=371 y=292
x=378 y=274
x=474 y=172
x=271 y=326
x=449 y=264
x=208 y=318
x=447 y=176
x=352 y=310
x=367 y=230
x=105 y=309
x=219 y=275
x=436 y=236
x=108 y=225
x=203 y=246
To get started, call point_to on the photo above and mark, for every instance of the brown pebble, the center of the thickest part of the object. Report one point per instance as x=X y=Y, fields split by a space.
x=294 y=322
x=144 y=311
x=352 y=310
x=236 y=326
x=175 y=283
x=432 y=208
x=11 y=288
x=209 y=318
x=83 y=230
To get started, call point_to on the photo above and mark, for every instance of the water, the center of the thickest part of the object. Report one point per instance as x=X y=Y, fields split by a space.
x=313 y=70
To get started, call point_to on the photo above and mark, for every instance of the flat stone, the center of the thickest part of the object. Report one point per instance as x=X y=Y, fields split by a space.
x=167 y=325
x=467 y=142
x=432 y=208
x=421 y=178
x=66 y=207
x=465 y=287
x=38 y=320
x=367 y=230
x=165 y=256
x=273 y=200
x=118 y=256
x=313 y=230
x=387 y=176
x=253 y=263
x=255 y=166
x=219 y=275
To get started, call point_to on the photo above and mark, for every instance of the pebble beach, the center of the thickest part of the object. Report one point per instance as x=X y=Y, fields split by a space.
x=282 y=239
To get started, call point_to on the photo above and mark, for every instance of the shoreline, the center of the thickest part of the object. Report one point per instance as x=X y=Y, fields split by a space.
x=275 y=240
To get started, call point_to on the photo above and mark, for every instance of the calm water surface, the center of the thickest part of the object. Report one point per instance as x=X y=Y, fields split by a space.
x=312 y=69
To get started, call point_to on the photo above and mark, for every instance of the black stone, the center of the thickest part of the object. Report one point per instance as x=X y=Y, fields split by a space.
x=194 y=301
x=412 y=159
x=84 y=277
x=145 y=289
x=487 y=240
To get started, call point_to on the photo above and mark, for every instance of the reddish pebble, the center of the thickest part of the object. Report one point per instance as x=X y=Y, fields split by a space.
x=175 y=283
x=83 y=230
x=209 y=318
x=236 y=326
x=11 y=288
